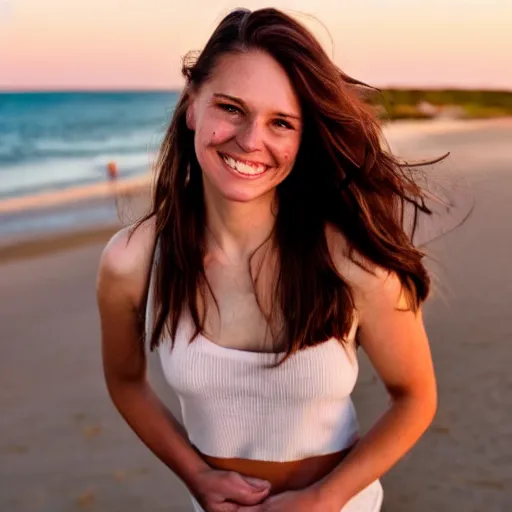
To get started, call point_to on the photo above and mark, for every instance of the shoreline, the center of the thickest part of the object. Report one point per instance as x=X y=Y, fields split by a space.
x=402 y=130
x=98 y=190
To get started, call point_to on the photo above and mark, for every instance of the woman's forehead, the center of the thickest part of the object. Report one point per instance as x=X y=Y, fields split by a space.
x=256 y=79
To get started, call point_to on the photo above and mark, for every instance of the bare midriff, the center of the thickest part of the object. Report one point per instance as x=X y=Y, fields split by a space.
x=283 y=476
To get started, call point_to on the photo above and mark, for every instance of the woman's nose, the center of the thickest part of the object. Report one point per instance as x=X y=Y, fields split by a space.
x=251 y=136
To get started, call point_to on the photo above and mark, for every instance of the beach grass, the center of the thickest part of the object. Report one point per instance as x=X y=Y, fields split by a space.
x=397 y=103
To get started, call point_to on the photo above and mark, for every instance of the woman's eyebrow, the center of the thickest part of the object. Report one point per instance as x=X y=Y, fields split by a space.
x=242 y=103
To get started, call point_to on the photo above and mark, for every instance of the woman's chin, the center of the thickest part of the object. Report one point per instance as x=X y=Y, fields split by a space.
x=240 y=196
x=237 y=190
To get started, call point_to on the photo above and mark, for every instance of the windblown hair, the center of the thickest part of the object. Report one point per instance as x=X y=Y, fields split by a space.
x=343 y=177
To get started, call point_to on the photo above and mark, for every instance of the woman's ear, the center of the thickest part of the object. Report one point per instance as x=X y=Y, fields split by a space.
x=191 y=116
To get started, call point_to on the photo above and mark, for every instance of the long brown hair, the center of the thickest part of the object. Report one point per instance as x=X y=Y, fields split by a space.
x=342 y=177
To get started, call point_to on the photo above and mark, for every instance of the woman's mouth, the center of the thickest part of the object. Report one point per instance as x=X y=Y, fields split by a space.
x=244 y=168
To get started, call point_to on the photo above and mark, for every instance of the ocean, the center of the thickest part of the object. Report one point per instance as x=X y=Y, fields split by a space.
x=54 y=140
x=51 y=141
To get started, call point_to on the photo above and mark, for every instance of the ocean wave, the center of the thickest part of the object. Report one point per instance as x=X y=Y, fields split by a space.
x=61 y=142
x=134 y=141
x=50 y=174
x=14 y=149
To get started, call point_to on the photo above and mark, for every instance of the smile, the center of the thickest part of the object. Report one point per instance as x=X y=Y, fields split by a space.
x=248 y=169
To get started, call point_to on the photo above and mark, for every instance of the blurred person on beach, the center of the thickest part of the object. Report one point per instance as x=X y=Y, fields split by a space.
x=274 y=251
x=112 y=171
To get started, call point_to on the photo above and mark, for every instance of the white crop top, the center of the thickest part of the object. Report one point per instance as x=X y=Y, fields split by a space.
x=235 y=407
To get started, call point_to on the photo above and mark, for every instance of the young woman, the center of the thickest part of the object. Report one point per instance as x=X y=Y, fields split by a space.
x=275 y=248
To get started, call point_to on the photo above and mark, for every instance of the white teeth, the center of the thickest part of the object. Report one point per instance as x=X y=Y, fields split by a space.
x=244 y=168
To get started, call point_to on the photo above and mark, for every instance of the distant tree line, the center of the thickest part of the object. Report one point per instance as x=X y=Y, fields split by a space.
x=428 y=103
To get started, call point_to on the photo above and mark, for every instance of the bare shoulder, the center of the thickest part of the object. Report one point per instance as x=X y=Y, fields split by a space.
x=120 y=289
x=125 y=260
x=371 y=285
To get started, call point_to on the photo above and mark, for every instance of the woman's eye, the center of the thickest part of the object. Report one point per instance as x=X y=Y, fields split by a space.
x=283 y=124
x=230 y=109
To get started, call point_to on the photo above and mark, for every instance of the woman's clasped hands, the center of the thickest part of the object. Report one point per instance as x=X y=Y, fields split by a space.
x=228 y=491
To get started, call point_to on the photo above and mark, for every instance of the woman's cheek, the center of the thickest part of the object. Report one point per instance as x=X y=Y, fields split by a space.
x=222 y=132
x=287 y=151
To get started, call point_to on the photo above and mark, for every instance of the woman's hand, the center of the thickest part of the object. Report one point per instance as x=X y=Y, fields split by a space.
x=228 y=491
x=306 y=500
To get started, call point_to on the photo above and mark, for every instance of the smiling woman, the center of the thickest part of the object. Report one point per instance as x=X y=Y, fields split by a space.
x=274 y=249
x=237 y=115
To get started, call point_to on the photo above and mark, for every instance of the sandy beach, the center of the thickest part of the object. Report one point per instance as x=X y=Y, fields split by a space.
x=64 y=448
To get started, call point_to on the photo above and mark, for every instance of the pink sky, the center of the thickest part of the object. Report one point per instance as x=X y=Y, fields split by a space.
x=57 y=44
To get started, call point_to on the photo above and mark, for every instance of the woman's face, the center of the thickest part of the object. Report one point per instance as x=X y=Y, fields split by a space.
x=247 y=124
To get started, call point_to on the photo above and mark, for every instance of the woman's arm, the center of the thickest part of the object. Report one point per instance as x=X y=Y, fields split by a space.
x=398 y=348
x=120 y=287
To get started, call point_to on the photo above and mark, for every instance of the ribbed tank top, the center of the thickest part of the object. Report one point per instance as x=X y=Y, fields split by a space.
x=234 y=406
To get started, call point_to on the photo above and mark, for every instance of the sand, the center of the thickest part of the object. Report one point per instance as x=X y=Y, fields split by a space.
x=64 y=448
x=73 y=194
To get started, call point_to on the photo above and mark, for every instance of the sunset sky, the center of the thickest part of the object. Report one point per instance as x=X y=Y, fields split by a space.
x=119 y=44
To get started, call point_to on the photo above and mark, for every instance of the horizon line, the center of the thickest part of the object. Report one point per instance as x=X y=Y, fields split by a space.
x=100 y=90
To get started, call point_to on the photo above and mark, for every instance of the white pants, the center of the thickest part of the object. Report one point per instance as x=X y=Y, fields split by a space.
x=368 y=500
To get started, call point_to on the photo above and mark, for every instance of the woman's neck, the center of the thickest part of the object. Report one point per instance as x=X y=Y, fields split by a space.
x=239 y=228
